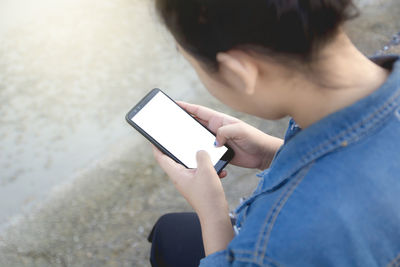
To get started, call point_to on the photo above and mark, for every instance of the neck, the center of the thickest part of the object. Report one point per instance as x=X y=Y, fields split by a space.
x=338 y=78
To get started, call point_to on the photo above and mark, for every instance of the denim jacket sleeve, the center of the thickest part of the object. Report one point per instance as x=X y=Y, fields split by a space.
x=222 y=259
x=216 y=259
x=330 y=197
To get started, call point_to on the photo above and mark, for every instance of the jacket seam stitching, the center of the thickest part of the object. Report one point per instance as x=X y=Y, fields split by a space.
x=372 y=116
x=249 y=252
x=273 y=214
x=395 y=262
x=242 y=257
x=375 y=116
x=260 y=237
x=397 y=113
x=290 y=191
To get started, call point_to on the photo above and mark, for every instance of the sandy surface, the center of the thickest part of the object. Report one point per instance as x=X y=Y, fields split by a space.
x=68 y=74
x=78 y=187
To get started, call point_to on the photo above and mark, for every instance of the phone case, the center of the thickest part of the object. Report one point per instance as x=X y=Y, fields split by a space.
x=219 y=166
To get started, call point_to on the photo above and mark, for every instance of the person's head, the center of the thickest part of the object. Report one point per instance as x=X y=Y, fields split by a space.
x=227 y=41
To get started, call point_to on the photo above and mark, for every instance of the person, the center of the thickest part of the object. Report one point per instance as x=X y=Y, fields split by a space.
x=329 y=192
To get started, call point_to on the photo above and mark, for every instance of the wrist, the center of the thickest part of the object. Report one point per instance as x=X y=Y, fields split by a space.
x=215 y=212
x=217 y=231
x=272 y=146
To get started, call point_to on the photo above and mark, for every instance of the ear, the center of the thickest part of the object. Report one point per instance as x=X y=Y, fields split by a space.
x=238 y=70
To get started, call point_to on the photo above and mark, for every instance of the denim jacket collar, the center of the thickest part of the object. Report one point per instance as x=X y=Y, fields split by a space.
x=337 y=130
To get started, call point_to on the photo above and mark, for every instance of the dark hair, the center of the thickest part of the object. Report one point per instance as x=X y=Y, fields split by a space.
x=279 y=27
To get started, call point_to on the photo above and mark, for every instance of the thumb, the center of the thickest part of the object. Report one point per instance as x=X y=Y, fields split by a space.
x=203 y=161
x=227 y=132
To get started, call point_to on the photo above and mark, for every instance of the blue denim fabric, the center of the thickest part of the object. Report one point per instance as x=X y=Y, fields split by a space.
x=331 y=196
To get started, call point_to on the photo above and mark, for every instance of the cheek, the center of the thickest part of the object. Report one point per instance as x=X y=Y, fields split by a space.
x=220 y=91
x=213 y=86
x=224 y=94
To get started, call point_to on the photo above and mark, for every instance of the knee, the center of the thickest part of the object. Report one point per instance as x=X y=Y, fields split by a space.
x=165 y=221
x=162 y=225
x=170 y=224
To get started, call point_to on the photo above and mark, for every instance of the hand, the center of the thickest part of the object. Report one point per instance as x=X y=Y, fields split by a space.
x=203 y=190
x=253 y=148
x=201 y=187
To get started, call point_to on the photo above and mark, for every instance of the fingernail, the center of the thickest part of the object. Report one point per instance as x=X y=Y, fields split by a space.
x=216 y=144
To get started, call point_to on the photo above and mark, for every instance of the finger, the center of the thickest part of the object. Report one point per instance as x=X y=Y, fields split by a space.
x=229 y=132
x=204 y=163
x=185 y=106
x=167 y=164
x=200 y=112
x=156 y=152
x=212 y=119
x=223 y=174
x=203 y=122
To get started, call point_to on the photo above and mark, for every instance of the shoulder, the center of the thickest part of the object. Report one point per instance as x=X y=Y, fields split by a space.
x=339 y=210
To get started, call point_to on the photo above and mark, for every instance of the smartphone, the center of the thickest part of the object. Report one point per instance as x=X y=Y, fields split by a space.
x=175 y=132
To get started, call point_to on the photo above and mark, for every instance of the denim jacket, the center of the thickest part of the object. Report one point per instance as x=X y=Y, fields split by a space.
x=331 y=196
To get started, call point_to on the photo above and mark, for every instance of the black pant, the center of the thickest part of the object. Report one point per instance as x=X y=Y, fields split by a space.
x=176 y=241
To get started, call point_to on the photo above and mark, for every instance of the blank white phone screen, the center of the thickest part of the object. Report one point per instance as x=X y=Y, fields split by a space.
x=177 y=131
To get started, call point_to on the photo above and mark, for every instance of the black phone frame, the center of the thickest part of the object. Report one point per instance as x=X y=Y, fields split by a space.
x=221 y=164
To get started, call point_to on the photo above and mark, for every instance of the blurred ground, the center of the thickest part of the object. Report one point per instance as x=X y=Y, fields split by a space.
x=78 y=187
